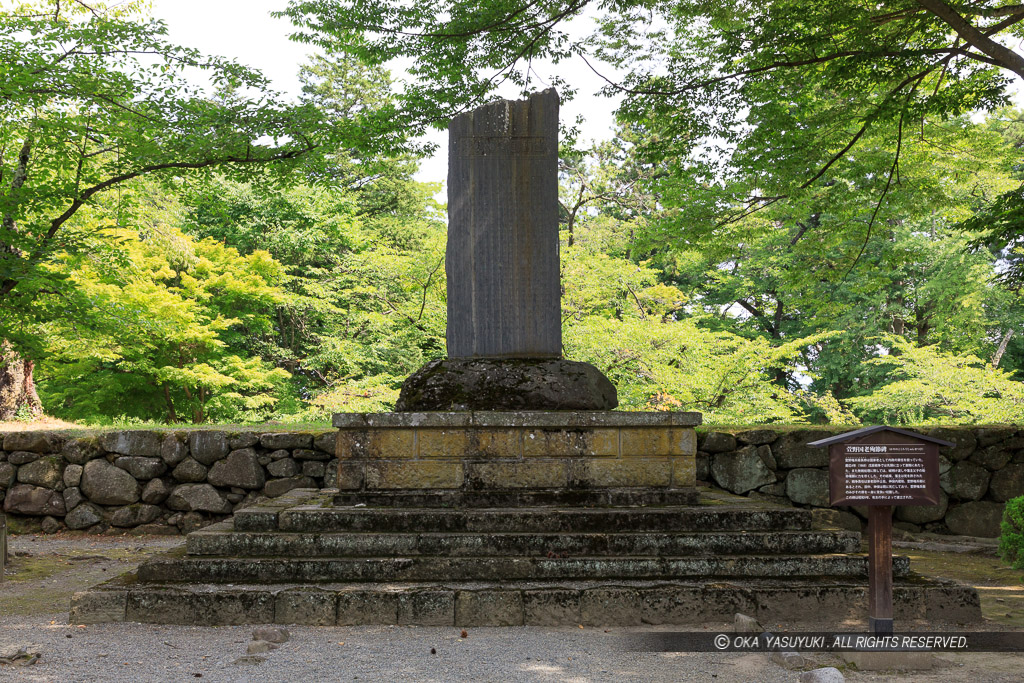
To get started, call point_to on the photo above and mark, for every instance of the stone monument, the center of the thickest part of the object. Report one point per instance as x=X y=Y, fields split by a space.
x=504 y=313
x=514 y=497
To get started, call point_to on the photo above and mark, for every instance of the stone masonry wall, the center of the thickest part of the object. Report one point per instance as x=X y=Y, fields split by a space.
x=177 y=481
x=155 y=481
x=978 y=475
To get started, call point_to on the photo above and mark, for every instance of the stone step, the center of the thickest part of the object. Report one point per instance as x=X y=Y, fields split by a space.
x=618 y=603
x=219 y=540
x=519 y=498
x=321 y=519
x=171 y=568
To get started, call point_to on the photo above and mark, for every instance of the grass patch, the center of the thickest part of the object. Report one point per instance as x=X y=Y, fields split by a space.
x=999 y=586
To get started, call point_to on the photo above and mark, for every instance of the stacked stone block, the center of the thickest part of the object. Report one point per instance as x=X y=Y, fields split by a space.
x=479 y=451
x=978 y=475
x=154 y=481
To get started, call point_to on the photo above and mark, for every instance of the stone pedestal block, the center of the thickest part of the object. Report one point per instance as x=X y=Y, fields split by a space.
x=474 y=454
x=506 y=384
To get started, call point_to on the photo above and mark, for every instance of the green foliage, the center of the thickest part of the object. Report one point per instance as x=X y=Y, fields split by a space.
x=679 y=366
x=1011 y=540
x=166 y=317
x=801 y=217
x=925 y=385
x=92 y=100
x=617 y=316
x=364 y=289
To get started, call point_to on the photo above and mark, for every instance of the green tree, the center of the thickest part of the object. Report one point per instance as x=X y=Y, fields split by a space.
x=927 y=385
x=93 y=97
x=365 y=304
x=155 y=323
x=697 y=61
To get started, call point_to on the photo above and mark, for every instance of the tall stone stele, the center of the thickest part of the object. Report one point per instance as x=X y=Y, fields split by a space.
x=504 y=295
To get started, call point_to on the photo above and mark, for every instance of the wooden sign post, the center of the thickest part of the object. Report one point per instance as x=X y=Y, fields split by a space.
x=881 y=467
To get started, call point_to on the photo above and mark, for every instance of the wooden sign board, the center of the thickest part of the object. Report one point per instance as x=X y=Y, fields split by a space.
x=881 y=467
x=887 y=473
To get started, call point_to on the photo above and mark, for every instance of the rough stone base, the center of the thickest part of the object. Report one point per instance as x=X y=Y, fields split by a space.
x=618 y=603
x=550 y=457
x=506 y=384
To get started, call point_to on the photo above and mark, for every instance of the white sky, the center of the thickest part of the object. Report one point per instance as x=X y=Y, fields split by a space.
x=245 y=31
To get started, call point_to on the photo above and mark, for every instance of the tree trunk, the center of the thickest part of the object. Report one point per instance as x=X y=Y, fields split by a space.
x=18 y=397
x=1002 y=349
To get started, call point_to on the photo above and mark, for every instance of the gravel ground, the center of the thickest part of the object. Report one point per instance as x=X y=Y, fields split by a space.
x=33 y=613
x=138 y=652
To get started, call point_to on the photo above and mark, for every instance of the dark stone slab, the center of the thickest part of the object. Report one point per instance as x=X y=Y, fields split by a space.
x=502 y=255
x=566 y=419
x=506 y=384
x=618 y=603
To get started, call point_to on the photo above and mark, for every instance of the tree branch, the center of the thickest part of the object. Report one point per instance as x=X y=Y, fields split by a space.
x=1005 y=57
x=85 y=195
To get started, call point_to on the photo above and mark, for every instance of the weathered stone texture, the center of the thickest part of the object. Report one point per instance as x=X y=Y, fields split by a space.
x=156 y=491
x=8 y=474
x=72 y=497
x=306 y=606
x=638 y=441
x=108 y=485
x=279 y=487
x=981 y=518
x=286 y=440
x=243 y=440
x=616 y=472
x=313 y=469
x=208 y=447
x=757 y=437
x=190 y=471
x=173 y=450
x=310 y=454
x=1008 y=483
x=413 y=475
x=197 y=497
x=131 y=443
x=36 y=442
x=535 y=474
x=765 y=453
x=325 y=442
x=965 y=440
x=791 y=449
x=684 y=472
x=23 y=457
x=25 y=499
x=966 y=480
x=141 y=467
x=988 y=436
x=741 y=471
x=241 y=468
x=718 y=442
x=72 y=475
x=489 y=608
x=458 y=384
x=992 y=458
x=83 y=516
x=923 y=514
x=81 y=451
x=286 y=467
x=502 y=256
x=134 y=515
x=573 y=443
x=47 y=472
x=808 y=486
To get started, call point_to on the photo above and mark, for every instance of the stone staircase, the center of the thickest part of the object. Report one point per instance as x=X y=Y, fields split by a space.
x=608 y=557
